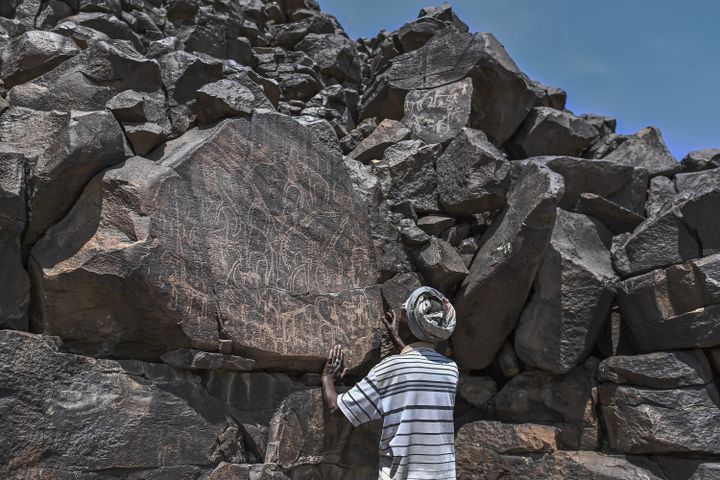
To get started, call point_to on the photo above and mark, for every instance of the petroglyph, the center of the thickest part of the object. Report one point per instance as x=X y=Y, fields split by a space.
x=254 y=231
x=437 y=115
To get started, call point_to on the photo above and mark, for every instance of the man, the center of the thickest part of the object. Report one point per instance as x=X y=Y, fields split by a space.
x=413 y=392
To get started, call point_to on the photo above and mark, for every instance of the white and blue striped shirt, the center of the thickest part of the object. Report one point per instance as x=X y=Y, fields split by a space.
x=414 y=395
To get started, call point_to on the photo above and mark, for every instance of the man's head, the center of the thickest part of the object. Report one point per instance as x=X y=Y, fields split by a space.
x=427 y=316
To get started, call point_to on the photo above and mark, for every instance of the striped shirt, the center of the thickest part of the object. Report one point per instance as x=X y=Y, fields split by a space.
x=414 y=395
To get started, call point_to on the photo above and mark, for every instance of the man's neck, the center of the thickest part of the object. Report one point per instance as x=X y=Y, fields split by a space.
x=416 y=345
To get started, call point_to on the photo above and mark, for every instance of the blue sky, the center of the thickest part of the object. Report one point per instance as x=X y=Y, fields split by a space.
x=645 y=62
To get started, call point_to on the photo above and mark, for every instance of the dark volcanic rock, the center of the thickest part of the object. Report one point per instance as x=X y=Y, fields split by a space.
x=546 y=96
x=335 y=54
x=678 y=307
x=183 y=74
x=702 y=159
x=451 y=56
x=88 y=80
x=68 y=416
x=657 y=370
x=645 y=149
x=661 y=191
x=374 y=145
x=441 y=265
x=436 y=115
x=562 y=321
x=616 y=218
x=547 y=131
x=473 y=175
x=690 y=181
x=504 y=268
x=435 y=224
x=189 y=359
x=34 y=53
x=124 y=261
x=110 y=25
x=228 y=98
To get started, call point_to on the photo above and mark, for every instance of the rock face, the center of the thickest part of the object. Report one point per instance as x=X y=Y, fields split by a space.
x=229 y=188
x=573 y=295
x=135 y=239
x=505 y=266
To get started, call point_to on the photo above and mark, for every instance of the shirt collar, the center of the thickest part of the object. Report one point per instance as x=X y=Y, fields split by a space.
x=416 y=345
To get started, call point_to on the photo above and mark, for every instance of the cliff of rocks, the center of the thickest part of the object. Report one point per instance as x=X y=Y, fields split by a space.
x=201 y=197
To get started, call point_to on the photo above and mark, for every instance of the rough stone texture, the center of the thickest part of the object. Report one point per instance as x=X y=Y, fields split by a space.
x=67 y=415
x=228 y=98
x=448 y=57
x=687 y=182
x=661 y=191
x=683 y=229
x=644 y=420
x=247 y=471
x=34 y=53
x=511 y=253
x=562 y=321
x=566 y=401
x=188 y=359
x=677 y=307
x=335 y=54
x=387 y=133
x=547 y=131
x=406 y=172
x=441 y=265
x=616 y=218
x=473 y=175
x=477 y=390
x=435 y=224
x=702 y=159
x=113 y=246
x=657 y=370
x=88 y=80
x=645 y=149
x=437 y=115
x=183 y=74
x=15 y=297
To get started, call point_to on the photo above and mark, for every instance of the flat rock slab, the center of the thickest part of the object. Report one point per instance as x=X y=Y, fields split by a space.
x=491 y=297
x=616 y=218
x=189 y=359
x=645 y=149
x=547 y=131
x=248 y=231
x=680 y=368
x=77 y=416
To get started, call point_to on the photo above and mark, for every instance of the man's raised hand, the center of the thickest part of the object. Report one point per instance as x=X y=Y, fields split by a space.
x=335 y=364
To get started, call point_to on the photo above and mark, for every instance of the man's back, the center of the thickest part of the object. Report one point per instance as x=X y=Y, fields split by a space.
x=414 y=394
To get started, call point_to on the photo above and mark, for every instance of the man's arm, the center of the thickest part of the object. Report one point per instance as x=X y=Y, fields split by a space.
x=333 y=371
x=393 y=327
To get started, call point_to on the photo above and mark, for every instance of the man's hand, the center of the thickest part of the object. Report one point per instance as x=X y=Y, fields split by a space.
x=392 y=324
x=333 y=371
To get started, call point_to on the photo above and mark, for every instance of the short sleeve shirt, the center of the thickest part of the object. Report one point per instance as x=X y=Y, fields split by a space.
x=414 y=395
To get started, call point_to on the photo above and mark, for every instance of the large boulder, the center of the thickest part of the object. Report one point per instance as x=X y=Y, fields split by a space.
x=680 y=368
x=88 y=80
x=72 y=147
x=490 y=299
x=702 y=159
x=645 y=149
x=547 y=131
x=372 y=147
x=441 y=265
x=69 y=416
x=184 y=73
x=616 y=218
x=110 y=25
x=236 y=232
x=573 y=294
x=502 y=97
x=682 y=229
x=228 y=98
x=676 y=307
x=34 y=53
x=436 y=115
x=14 y=299
x=473 y=175
x=335 y=54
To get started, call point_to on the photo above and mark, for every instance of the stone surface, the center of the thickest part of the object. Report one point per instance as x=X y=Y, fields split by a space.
x=406 y=172
x=184 y=73
x=88 y=80
x=435 y=224
x=657 y=370
x=189 y=359
x=374 y=145
x=683 y=229
x=547 y=131
x=451 y=56
x=441 y=265
x=563 y=319
x=687 y=182
x=228 y=98
x=68 y=415
x=335 y=54
x=199 y=283
x=616 y=218
x=511 y=253
x=661 y=191
x=702 y=159
x=645 y=149
x=677 y=307
x=144 y=137
x=644 y=420
x=565 y=401
x=473 y=175
x=437 y=115
x=34 y=53
x=477 y=390
x=247 y=471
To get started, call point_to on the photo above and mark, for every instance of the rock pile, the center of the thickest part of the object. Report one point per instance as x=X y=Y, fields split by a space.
x=201 y=197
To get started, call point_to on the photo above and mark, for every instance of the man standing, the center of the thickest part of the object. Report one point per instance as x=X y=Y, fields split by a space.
x=413 y=392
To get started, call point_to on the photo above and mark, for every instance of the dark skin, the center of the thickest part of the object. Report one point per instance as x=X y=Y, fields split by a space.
x=334 y=369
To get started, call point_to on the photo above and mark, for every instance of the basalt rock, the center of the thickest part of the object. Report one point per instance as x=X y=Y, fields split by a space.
x=33 y=54
x=645 y=149
x=702 y=159
x=616 y=218
x=505 y=267
x=547 y=131
x=387 y=133
x=124 y=234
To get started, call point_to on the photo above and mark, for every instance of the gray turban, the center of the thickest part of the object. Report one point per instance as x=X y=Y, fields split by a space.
x=430 y=315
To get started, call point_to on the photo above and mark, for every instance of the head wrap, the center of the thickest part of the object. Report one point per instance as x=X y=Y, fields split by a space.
x=430 y=315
